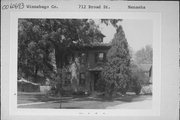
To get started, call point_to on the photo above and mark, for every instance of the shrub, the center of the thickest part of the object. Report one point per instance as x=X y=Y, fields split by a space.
x=135 y=85
x=147 y=90
x=139 y=74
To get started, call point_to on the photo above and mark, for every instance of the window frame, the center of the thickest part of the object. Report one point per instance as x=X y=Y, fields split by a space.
x=97 y=60
x=83 y=58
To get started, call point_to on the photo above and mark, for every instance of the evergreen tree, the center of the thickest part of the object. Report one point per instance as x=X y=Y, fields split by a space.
x=116 y=73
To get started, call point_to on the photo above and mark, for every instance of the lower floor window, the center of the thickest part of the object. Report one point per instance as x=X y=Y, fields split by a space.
x=82 y=79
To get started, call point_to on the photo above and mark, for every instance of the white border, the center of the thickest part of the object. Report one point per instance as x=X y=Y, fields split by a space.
x=155 y=17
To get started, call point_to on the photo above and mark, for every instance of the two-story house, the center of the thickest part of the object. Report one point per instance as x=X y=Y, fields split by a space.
x=85 y=71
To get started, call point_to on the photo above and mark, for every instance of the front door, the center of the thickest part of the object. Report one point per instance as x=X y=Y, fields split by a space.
x=96 y=78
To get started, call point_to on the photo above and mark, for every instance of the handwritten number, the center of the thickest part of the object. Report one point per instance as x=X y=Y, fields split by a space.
x=5 y=7
x=21 y=5
x=13 y=6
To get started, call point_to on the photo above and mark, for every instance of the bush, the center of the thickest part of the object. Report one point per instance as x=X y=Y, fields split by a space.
x=146 y=90
x=137 y=88
x=139 y=75
x=135 y=85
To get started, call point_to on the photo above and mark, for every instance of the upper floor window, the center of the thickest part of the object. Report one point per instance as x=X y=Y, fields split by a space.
x=83 y=58
x=100 y=57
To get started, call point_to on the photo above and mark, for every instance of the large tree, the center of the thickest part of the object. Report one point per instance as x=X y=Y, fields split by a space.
x=116 y=73
x=39 y=38
x=144 y=55
x=33 y=52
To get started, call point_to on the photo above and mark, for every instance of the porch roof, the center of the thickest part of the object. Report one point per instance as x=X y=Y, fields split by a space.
x=97 y=68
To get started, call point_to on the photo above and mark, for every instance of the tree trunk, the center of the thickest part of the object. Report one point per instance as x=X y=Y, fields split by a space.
x=59 y=57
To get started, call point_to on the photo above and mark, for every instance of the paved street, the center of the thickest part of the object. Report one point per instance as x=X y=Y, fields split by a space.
x=39 y=100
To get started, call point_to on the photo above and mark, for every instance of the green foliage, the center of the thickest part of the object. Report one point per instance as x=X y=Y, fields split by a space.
x=116 y=73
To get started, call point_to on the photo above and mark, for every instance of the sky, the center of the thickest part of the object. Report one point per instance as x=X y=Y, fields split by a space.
x=139 y=33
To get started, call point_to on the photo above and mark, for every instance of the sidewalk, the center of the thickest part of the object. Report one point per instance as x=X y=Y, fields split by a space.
x=146 y=104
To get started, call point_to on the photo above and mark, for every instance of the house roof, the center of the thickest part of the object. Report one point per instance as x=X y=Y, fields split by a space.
x=145 y=67
x=95 y=45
